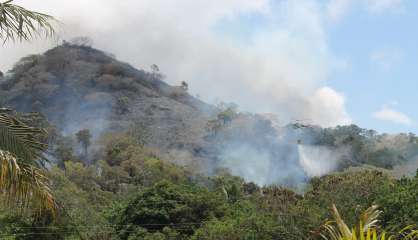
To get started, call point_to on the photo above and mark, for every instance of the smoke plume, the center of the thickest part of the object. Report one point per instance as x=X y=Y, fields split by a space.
x=266 y=56
x=278 y=63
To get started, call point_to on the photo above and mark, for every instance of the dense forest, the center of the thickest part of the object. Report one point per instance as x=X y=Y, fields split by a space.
x=131 y=157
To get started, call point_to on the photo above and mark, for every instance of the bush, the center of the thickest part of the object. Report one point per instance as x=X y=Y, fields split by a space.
x=357 y=190
x=165 y=205
x=114 y=68
x=242 y=222
x=400 y=203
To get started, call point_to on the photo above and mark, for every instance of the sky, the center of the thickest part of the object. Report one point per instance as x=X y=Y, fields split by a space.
x=326 y=62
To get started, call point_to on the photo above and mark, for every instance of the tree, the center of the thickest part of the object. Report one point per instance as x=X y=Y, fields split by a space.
x=359 y=189
x=122 y=105
x=84 y=138
x=184 y=86
x=226 y=116
x=18 y=23
x=400 y=203
x=242 y=221
x=155 y=72
x=63 y=150
x=166 y=207
x=155 y=69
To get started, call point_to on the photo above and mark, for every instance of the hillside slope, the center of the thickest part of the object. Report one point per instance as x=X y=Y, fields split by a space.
x=79 y=87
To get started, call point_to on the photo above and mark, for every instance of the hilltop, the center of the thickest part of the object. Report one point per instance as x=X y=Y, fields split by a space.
x=80 y=87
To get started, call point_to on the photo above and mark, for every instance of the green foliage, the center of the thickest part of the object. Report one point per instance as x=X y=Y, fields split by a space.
x=242 y=221
x=288 y=209
x=165 y=205
x=230 y=186
x=352 y=192
x=400 y=203
x=82 y=199
x=63 y=150
x=133 y=192
x=227 y=115
x=119 y=147
x=138 y=164
x=367 y=147
x=28 y=227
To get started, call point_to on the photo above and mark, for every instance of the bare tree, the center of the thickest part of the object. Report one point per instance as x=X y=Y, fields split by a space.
x=185 y=86
x=155 y=68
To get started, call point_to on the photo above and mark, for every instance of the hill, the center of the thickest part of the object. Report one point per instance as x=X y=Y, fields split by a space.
x=78 y=87
x=136 y=158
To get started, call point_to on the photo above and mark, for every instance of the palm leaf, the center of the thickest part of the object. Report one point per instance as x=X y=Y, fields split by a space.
x=410 y=232
x=367 y=228
x=18 y=23
x=21 y=179
x=21 y=140
x=342 y=227
x=369 y=218
x=24 y=185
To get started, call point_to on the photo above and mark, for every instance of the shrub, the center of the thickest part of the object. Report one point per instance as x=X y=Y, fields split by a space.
x=165 y=205
x=357 y=190
x=400 y=203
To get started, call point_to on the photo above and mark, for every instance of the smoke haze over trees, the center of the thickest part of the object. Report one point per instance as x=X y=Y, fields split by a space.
x=122 y=142
x=80 y=89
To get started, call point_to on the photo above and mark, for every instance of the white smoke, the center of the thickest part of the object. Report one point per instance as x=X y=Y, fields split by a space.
x=281 y=68
x=251 y=164
x=319 y=160
x=293 y=166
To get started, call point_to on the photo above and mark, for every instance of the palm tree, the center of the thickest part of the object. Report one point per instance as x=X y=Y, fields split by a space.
x=21 y=179
x=18 y=23
x=367 y=228
x=21 y=154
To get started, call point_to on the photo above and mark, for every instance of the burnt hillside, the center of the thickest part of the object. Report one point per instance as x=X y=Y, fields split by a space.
x=80 y=87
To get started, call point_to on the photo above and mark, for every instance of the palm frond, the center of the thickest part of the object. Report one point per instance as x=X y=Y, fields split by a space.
x=369 y=218
x=367 y=228
x=342 y=227
x=24 y=185
x=18 y=23
x=410 y=232
x=21 y=140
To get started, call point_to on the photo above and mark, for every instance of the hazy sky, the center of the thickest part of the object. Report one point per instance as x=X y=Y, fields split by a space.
x=328 y=61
